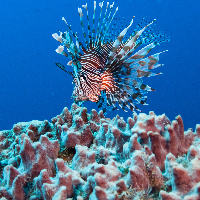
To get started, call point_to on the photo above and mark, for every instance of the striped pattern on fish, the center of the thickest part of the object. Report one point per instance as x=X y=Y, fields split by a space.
x=107 y=69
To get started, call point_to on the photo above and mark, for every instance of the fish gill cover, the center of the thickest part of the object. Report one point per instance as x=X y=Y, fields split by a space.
x=109 y=66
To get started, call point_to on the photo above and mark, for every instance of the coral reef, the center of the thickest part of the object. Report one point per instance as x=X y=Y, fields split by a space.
x=81 y=155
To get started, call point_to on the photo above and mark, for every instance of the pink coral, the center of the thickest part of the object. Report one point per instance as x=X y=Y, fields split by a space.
x=34 y=158
x=109 y=159
x=185 y=175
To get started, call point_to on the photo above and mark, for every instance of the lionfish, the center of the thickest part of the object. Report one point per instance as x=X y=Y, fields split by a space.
x=107 y=69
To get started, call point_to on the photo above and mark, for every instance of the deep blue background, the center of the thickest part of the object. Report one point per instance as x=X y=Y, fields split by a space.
x=32 y=87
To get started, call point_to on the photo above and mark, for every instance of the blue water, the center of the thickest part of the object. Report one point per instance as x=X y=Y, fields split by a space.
x=32 y=87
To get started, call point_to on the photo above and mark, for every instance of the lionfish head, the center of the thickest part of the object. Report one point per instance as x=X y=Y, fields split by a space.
x=82 y=90
x=108 y=69
x=78 y=94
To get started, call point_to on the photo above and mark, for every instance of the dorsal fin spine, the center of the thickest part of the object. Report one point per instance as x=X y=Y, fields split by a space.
x=102 y=26
x=96 y=39
x=93 y=29
x=105 y=25
x=81 y=19
x=89 y=30
x=108 y=25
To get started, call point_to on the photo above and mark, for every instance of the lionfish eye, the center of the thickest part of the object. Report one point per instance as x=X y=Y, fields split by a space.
x=82 y=77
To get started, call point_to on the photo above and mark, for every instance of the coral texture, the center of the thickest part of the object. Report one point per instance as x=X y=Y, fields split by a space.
x=87 y=156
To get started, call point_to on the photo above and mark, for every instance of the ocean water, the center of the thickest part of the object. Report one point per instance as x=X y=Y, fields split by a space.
x=32 y=87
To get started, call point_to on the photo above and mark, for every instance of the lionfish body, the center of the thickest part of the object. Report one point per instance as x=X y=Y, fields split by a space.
x=109 y=71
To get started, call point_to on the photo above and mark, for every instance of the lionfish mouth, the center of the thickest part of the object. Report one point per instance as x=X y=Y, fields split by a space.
x=80 y=98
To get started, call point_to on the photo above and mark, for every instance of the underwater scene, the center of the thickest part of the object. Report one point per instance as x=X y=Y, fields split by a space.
x=99 y=100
